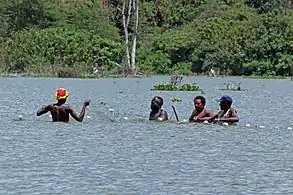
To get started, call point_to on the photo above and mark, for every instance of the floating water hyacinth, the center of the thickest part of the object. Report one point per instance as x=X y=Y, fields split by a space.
x=170 y=87
x=176 y=100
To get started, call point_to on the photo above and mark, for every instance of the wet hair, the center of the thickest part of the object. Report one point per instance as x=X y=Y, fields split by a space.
x=201 y=98
x=158 y=100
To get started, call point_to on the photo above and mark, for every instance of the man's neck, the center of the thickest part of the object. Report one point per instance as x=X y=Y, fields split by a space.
x=199 y=111
x=59 y=103
x=225 y=110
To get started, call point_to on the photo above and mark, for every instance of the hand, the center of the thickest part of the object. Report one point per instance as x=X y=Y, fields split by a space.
x=87 y=102
x=217 y=120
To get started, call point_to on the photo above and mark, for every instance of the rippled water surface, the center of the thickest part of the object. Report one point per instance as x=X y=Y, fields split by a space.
x=121 y=152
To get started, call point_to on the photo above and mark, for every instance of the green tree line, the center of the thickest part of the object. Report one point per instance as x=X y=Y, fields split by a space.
x=243 y=37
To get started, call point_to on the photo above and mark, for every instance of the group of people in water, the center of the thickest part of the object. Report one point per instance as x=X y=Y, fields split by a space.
x=60 y=111
x=200 y=114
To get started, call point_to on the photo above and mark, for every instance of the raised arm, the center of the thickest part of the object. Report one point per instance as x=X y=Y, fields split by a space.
x=44 y=109
x=79 y=117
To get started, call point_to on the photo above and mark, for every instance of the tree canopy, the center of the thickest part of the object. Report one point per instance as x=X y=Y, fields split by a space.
x=242 y=37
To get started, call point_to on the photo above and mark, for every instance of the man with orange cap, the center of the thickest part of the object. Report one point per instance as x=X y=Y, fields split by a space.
x=60 y=111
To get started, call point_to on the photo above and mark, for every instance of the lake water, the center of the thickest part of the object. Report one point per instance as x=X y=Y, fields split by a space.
x=107 y=154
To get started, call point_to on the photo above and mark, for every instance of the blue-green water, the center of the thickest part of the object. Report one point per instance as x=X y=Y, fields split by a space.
x=107 y=154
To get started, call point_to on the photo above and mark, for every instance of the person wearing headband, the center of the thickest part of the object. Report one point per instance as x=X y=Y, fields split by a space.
x=60 y=111
x=227 y=114
x=157 y=113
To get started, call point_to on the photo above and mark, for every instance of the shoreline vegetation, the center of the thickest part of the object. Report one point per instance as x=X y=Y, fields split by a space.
x=131 y=38
x=92 y=76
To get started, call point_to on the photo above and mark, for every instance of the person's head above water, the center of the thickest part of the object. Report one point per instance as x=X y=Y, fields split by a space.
x=225 y=102
x=199 y=103
x=61 y=95
x=156 y=103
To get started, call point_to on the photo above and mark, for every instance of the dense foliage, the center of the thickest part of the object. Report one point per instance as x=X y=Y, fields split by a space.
x=245 y=37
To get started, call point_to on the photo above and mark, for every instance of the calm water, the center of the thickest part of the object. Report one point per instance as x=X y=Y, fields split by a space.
x=107 y=154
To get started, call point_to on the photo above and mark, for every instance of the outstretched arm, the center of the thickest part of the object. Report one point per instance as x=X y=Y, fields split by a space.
x=79 y=117
x=208 y=115
x=44 y=109
x=234 y=117
x=212 y=118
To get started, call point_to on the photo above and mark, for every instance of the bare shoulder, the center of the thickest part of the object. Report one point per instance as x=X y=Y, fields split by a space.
x=68 y=107
x=209 y=113
x=50 y=106
x=233 y=110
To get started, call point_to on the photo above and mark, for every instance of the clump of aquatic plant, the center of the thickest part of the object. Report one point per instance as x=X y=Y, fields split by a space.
x=170 y=87
x=176 y=100
x=232 y=86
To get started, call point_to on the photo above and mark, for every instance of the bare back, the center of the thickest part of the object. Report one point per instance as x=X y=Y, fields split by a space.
x=60 y=112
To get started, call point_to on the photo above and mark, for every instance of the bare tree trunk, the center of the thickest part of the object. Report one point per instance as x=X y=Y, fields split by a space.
x=126 y=35
x=134 y=36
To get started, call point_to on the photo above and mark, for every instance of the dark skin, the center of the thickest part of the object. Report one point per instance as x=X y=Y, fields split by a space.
x=60 y=111
x=232 y=115
x=199 y=114
x=157 y=113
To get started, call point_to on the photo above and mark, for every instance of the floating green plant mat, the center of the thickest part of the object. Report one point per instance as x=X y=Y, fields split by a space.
x=176 y=100
x=170 y=87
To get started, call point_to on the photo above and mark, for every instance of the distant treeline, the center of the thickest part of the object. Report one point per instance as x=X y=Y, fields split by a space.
x=243 y=37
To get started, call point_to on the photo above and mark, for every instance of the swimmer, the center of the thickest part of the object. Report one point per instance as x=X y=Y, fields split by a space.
x=60 y=111
x=157 y=113
x=227 y=114
x=200 y=114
